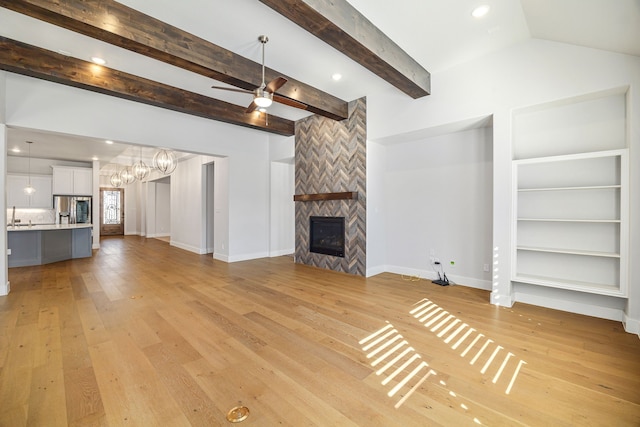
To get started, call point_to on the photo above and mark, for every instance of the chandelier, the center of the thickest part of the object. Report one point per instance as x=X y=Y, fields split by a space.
x=165 y=161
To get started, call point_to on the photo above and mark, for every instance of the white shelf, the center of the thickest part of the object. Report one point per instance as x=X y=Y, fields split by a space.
x=594 y=288
x=569 y=251
x=570 y=225
x=590 y=187
x=570 y=220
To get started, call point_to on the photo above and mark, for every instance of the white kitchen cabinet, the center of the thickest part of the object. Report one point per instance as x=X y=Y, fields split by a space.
x=83 y=182
x=72 y=181
x=41 y=199
x=570 y=219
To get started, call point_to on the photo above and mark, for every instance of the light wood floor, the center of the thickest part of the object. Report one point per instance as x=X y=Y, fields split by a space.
x=144 y=334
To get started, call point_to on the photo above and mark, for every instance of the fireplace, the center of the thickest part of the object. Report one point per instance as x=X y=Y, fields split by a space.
x=326 y=235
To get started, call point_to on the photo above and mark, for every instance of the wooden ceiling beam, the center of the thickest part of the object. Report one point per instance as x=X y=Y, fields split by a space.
x=340 y=25
x=117 y=24
x=24 y=59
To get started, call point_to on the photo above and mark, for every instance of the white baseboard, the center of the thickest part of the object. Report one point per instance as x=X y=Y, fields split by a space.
x=4 y=290
x=374 y=271
x=609 y=313
x=247 y=257
x=282 y=252
x=221 y=257
x=501 y=299
x=188 y=247
x=631 y=325
x=156 y=235
x=470 y=282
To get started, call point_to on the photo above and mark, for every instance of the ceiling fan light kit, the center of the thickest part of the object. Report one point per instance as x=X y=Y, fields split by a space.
x=263 y=99
x=263 y=95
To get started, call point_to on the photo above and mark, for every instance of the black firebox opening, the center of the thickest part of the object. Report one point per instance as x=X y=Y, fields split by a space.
x=326 y=235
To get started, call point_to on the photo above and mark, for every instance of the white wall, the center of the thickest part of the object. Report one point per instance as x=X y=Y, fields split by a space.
x=4 y=279
x=243 y=228
x=438 y=202
x=530 y=73
x=163 y=209
x=186 y=205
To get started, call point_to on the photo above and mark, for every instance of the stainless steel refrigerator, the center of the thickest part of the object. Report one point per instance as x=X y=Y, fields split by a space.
x=72 y=209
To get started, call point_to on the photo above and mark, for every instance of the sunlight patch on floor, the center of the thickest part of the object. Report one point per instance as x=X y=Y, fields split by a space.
x=429 y=313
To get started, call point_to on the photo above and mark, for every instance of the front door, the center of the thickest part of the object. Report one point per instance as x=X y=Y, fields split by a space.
x=111 y=211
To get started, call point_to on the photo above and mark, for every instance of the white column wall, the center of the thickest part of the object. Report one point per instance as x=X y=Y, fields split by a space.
x=282 y=238
x=4 y=279
x=131 y=210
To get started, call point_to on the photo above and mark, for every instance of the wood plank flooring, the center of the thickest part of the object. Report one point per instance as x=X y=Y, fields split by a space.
x=144 y=334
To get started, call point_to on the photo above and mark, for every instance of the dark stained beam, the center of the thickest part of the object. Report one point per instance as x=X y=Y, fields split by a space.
x=340 y=25
x=21 y=58
x=115 y=23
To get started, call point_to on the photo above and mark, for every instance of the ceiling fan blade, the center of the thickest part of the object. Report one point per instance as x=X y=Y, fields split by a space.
x=251 y=108
x=288 y=101
x=276 y=84
x=230 y=89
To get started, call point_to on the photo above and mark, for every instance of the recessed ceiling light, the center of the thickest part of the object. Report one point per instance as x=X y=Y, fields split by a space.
x=95 y=158
x=15 y=149
x=336 y=76
x=108 y=142
x=98 y=60
x=480 y=11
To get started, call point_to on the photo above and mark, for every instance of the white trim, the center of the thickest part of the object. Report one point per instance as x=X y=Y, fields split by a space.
x=282 y=252
x=248 y=257
x=374 y=271
x=221 y=257
x=4 y=290
x=470 y=282
x=571 y=306
x=631 y=325
x=188 y=247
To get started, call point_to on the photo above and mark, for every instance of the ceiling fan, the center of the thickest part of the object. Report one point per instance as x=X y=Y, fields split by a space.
x=265 y=94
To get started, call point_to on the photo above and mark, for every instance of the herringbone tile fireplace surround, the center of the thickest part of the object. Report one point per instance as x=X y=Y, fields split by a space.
x=330 y=157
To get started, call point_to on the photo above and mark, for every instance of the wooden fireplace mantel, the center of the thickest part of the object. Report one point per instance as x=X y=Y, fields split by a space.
x=347 y=195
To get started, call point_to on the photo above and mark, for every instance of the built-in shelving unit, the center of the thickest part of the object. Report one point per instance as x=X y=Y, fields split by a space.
x=570 y=222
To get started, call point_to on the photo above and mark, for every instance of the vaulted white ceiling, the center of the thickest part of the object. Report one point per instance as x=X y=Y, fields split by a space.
x=437 y=34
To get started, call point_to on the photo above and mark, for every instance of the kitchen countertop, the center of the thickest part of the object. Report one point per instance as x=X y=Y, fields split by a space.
x=41 y=227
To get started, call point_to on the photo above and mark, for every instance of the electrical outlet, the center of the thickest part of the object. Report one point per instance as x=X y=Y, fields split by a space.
x=485 y=268
x=8 y=251
x=432 y=252
x=432 y=259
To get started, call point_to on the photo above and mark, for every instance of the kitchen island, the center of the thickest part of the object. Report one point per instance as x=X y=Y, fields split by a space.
x=44 y=244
